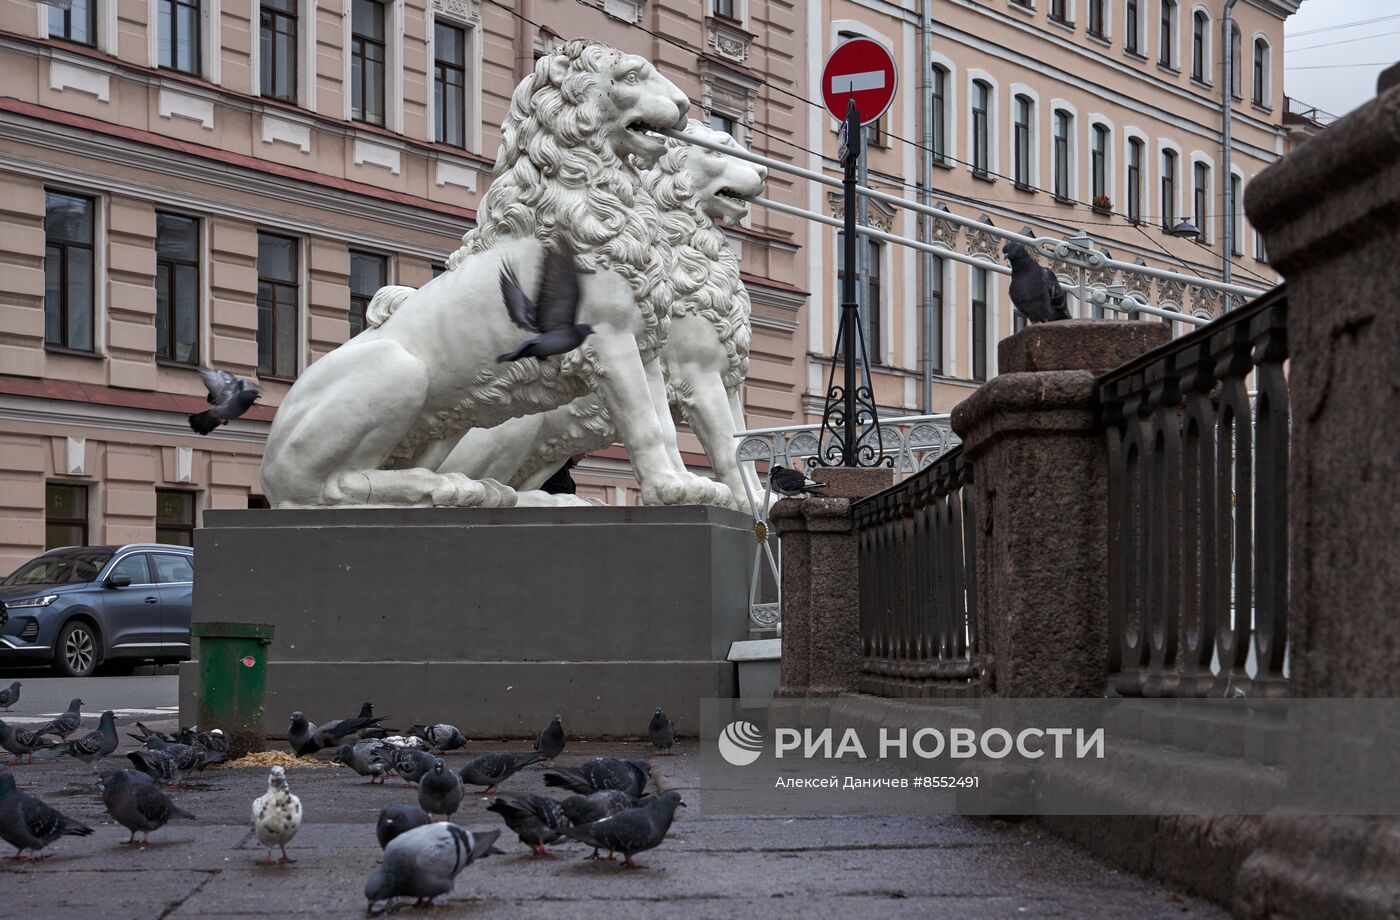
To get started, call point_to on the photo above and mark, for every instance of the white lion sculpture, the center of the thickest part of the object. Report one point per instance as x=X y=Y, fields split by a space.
x=706 y=353
x=369 y=424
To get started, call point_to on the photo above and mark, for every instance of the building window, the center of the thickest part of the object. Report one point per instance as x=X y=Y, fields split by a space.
x=450 y=83
x=1098 y=161
x=367 y=62
x=1236 y=64
x=65 y=515
x=940 y=114
x=873 y=252
x=1201 y=199
x=981 y=101
x=174 y=517
x=1057 y=11
x=1200 y=27
x=78 y=23
x=179 y=35
x=934 y=314
x=1064 y=125
x=1260 y=252
x=1130 y=27
x=1025 y=113
x=1234 y=213
x=1261 y=73
x=438 y=269
x=1096 y=18
x=1025 y=4
x=277 y=49
x=368 y=273
x=722 y=123
x=1168 y=189
x=724 y=8
x=69 y=274
x=979 y=323
x=1135 y=180
x=177 y=288
x=1167 y=40
x=278 y=305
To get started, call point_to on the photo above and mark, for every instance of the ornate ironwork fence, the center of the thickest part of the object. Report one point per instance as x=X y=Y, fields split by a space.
x=918 y=584
x=1198 y=511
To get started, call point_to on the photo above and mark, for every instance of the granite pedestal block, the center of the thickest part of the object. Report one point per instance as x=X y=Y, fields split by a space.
x=490 y=619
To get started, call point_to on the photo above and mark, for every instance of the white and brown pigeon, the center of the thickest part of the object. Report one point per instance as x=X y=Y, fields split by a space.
x=276 y=815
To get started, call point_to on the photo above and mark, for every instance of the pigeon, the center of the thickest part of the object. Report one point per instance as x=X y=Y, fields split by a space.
x=440 y=790
x=551 y=741
x=404 y=741
x=276 y=815
x=791 y=482
x=229 y=397
x=301 y=736
x=145 y=733
x=364 y=758
x=1035 y=291
x=411 y=763
x=536 y=819
x=351 y=730
x=585 y=809
x=552 y=317
x=600 y=773
x=442 y=737
x=214 y=741
x=160 y=766
x=137 y=804
x=65 y=724
x=9 y=696
x=188 y=757
x=424 y=862
x=491 y=770
x=27 y=823
x=22 y=742
x=632 y=831
x=661 y=732
x=94 y=746
x=397 y=819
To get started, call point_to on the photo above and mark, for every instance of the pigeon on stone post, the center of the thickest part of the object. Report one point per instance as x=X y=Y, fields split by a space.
x=276 y=815
x=1035 y=291
x=791 y=482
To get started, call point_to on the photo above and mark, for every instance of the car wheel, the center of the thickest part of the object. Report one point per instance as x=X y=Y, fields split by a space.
x=76 y=652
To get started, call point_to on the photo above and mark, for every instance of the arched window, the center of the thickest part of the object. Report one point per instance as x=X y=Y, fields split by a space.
x=1166 y=42
x=981 y=126
x=1098 y=162
x=1064 y=130
x=1200 y=32
x=1132 y=25
x=1134 y=180
x=1168 y=189
x=1235 y=63
x=1201 y=200
x=1261 y=73
x=940 y=113
x=1025 y=117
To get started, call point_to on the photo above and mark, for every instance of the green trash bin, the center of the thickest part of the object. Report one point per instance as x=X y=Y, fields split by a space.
x=233 y=681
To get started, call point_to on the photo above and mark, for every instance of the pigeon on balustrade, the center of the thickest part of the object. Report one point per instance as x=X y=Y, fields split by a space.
x=551 y=740
x=632 y=831
x=790 y=482
x=28 y=824
x=1035 y=291
x=138 y=804
x=229 y=397
x=553 y=315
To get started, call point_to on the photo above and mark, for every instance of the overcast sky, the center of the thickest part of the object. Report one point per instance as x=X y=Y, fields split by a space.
x=1331 y=77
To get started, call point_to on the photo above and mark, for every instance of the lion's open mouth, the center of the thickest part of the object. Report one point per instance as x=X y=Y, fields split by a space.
x=732 y=193
x=645 y=130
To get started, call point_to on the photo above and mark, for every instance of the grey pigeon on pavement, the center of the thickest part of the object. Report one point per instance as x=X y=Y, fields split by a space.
x=600 y=773
x=349 y=730
x=94 y=746
x=301 y=735
x=442 y=737
x=536 y=819
x=661 y=732
x=214 y=741
x=9 y=696
x=552 y=316
x=424 y=862
x=791 y=482
x=276 y=815
x=397 y=819
x=411 y=763
x=440 y=790
x=65 y=724
x=491 y=770
x=366 y=759
x=138 y=804
x=551 y=741
x=1035 y=291
x=585 y=809
x=229 y=397
x=22 y=742
x=160 y=766
x=27 y=823
x=632 y=831
x=142 y=733
x=188 y=757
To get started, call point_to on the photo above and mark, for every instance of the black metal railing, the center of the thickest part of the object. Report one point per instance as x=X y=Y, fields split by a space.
x=1198 y=510
x=918 y=584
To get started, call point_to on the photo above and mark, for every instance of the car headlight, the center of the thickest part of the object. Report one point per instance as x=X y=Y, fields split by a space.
x=32 y=602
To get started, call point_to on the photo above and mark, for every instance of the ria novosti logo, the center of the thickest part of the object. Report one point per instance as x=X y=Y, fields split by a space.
x=741 y=743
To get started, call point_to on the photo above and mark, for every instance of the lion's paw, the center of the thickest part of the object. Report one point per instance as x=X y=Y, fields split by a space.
x=457 y=490
x=538 y=499
x=702 y=491
x=664 y=489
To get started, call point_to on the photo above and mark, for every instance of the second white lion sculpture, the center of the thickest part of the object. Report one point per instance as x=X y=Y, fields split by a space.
x=369 y=424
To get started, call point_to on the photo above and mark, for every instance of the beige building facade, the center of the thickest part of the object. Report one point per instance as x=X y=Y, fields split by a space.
x=226 y=182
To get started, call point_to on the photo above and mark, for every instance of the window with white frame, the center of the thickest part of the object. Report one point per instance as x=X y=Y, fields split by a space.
x=277 y=50
x=1200 y=199
x=368 y=70
x=279 y=304
x=934 y=316
x=1132 y=27
x=1059 y=11
x=77 y=23
x=1098 y=163
x=1064 y=133
x=178 y=289
x=1236 y=64
x=178 y=37
x=940 y=113
x=1166 y=39
x=1169 y=164
x=979 y=323
x=1098 y=18
x=1234 y=213
x=70 y=278
x=1022 y=141
x=450 y=83
x=981 y=126
x=1200 y=48
x=1261 y=95
x=1135 y=147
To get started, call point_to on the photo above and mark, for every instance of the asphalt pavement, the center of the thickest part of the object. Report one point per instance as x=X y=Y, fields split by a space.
x=147 y=698
x=709 y=867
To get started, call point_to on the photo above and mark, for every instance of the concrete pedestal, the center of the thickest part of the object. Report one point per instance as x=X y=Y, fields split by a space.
x=492 y=620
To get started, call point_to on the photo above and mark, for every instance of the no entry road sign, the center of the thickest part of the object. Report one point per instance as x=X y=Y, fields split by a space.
x=861 y=69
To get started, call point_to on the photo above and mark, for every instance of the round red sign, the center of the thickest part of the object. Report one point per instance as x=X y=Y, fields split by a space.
x=863 y=70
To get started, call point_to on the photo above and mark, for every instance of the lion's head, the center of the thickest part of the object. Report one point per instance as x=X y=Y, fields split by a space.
x=719 y=186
